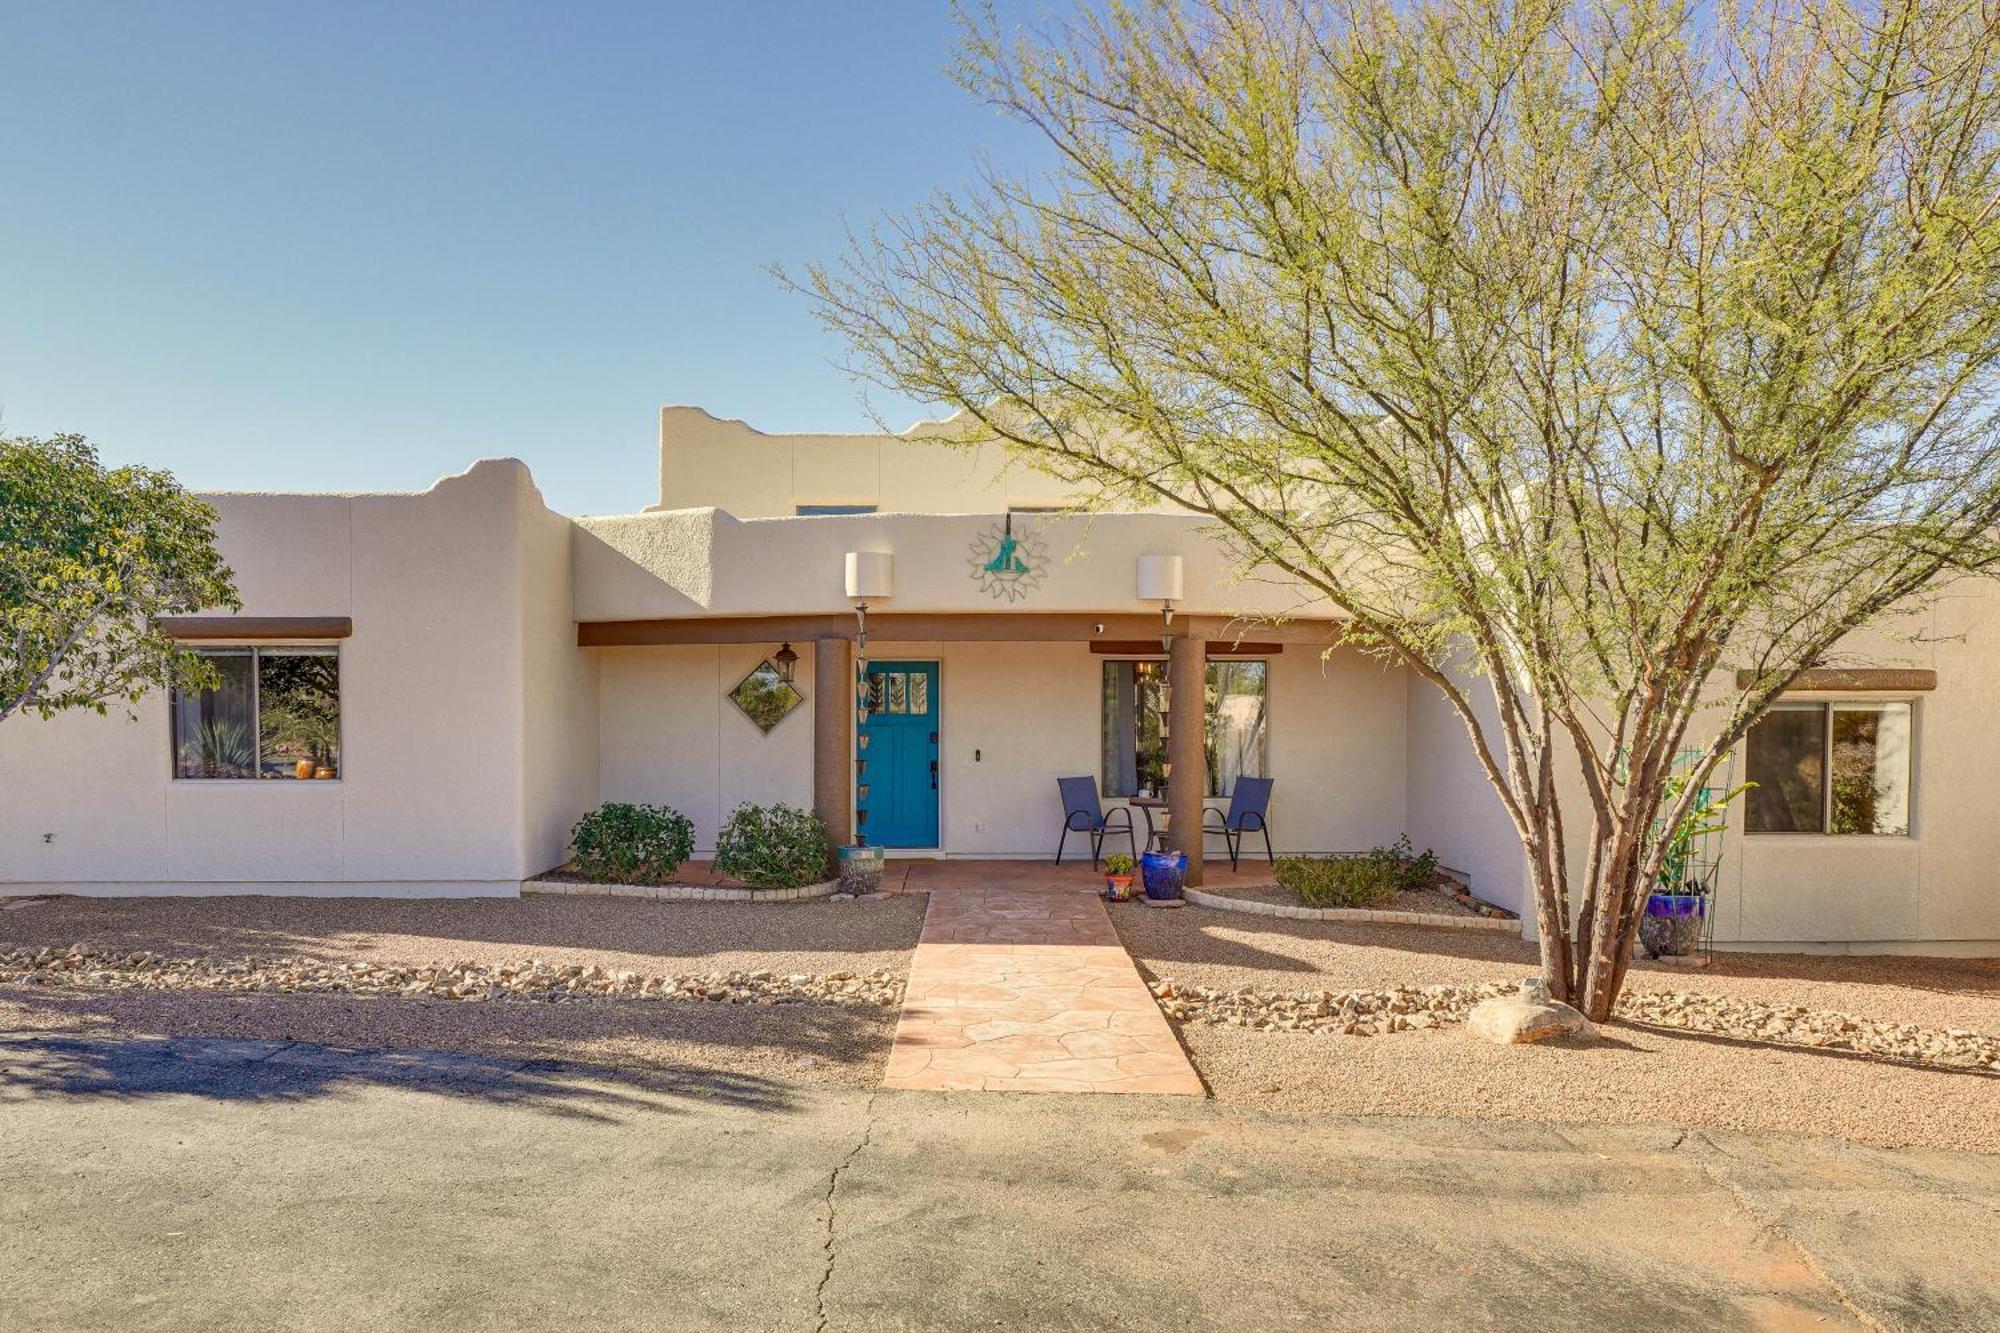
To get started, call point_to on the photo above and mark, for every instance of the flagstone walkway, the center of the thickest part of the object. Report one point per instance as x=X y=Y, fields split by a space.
x=1024 y=987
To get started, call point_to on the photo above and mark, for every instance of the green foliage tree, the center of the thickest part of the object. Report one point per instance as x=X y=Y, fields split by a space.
x=90 y=557
x=1584 y=354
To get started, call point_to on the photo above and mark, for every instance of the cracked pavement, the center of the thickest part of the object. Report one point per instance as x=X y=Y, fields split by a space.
x=187 y=1183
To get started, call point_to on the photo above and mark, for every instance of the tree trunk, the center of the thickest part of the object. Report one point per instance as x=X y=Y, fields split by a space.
x=1619 y=905
x=1558 y=969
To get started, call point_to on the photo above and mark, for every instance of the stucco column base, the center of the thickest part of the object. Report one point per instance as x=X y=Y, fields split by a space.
x=1187 y=749
x=833 y=737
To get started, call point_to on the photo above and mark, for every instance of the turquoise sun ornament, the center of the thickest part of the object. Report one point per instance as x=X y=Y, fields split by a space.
x=1008 y=565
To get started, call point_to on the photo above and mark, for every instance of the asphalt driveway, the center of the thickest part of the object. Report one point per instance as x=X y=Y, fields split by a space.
x=155 y=1183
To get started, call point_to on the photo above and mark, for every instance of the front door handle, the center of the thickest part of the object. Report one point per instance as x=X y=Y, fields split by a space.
x=933 y=775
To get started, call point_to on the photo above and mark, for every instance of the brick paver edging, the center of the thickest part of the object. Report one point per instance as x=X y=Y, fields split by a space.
x=702 y=892
x=1369 y=915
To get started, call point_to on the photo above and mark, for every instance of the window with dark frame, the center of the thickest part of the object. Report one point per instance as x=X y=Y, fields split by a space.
x=1834 y=767
x=1135 y=727
x=275 y=714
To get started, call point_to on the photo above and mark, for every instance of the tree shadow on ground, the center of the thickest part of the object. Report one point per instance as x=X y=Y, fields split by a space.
x=741 y=1054
x=1207 y=937
x=1730 y=1041
x=239 y=1070
x=662 y=936
x=1972 y=978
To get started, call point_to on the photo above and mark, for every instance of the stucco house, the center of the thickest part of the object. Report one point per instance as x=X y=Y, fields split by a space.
x=424 y=691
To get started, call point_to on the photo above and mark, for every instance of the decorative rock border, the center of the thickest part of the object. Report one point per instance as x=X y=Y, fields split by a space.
x=1368 y=1013
x=1357 y=915
x=682 y=892
x=1351 y=1013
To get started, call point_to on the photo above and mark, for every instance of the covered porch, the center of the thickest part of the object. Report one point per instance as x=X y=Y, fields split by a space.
x=961 y=725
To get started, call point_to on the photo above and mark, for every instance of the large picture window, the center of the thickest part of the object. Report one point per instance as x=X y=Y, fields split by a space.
x=275 y=714
x=1830 y=768
x=1135 y=726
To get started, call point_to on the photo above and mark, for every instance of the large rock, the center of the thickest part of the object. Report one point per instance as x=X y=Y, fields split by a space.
x=1528 y=1016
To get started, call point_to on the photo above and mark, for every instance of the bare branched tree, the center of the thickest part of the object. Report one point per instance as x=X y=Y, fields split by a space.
x=1604 y=349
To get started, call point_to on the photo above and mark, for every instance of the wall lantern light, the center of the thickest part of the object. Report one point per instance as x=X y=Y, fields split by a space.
x=787 y=661
x=1161 y=579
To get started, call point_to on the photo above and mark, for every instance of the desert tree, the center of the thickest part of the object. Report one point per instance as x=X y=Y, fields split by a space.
x=1607 y=364
x=90 y=558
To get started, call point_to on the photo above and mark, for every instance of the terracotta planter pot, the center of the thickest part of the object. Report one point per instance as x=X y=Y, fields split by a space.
x=1118 y=888
x=303 y=769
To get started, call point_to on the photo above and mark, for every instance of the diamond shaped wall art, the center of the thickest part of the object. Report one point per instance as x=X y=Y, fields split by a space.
x=765 y=696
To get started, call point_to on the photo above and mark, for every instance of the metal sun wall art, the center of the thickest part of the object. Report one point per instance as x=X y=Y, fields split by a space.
x=765 y=696
x=1008 y=565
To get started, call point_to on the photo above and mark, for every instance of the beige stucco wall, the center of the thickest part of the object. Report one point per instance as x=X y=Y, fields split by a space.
x=558 y=695
x=1935 y=891
x=668 y=736
x=447 y=590
x=1453 y=809
x=706 y=562
x=707 y=461
x=1015 y=716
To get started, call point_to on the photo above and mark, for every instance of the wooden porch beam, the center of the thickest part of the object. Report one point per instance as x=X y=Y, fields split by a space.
x=1151 y=648
x=951 y=627
x=1859 y=680
x=256 y=627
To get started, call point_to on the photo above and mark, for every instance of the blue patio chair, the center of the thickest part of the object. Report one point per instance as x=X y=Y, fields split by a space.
x=1249 y=812
x=1084 y=813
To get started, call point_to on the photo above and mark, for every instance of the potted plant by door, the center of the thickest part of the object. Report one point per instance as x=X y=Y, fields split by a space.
x=860 y=868
x=1118 y=877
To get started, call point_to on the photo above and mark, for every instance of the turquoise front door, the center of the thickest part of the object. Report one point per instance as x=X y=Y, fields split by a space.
x=898 y=784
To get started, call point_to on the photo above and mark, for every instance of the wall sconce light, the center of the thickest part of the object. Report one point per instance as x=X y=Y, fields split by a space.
x=786 y=661
x=1161 y=579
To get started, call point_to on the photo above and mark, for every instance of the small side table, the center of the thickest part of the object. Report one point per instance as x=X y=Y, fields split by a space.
x=1146 y=805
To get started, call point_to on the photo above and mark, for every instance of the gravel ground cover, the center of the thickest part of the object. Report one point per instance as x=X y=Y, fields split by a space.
x=1636 y=1072
x=621 y=934
x=374 y=972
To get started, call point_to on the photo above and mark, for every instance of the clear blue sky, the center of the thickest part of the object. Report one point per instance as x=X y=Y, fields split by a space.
x=358 y=245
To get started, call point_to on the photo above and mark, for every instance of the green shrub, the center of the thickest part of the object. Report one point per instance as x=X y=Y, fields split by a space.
x=1359 y=881
x=1338 y=881
x=773 y=847
x=632 y=844
x=1410 y=869
x=1118 y=863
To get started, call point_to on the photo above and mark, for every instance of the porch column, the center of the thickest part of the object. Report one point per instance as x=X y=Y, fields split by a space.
x=833 y=737
x=1187 y=748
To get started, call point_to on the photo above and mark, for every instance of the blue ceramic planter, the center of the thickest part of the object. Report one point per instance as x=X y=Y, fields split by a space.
x=860 y=869
x=1672 y=924
x=1163 y=873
